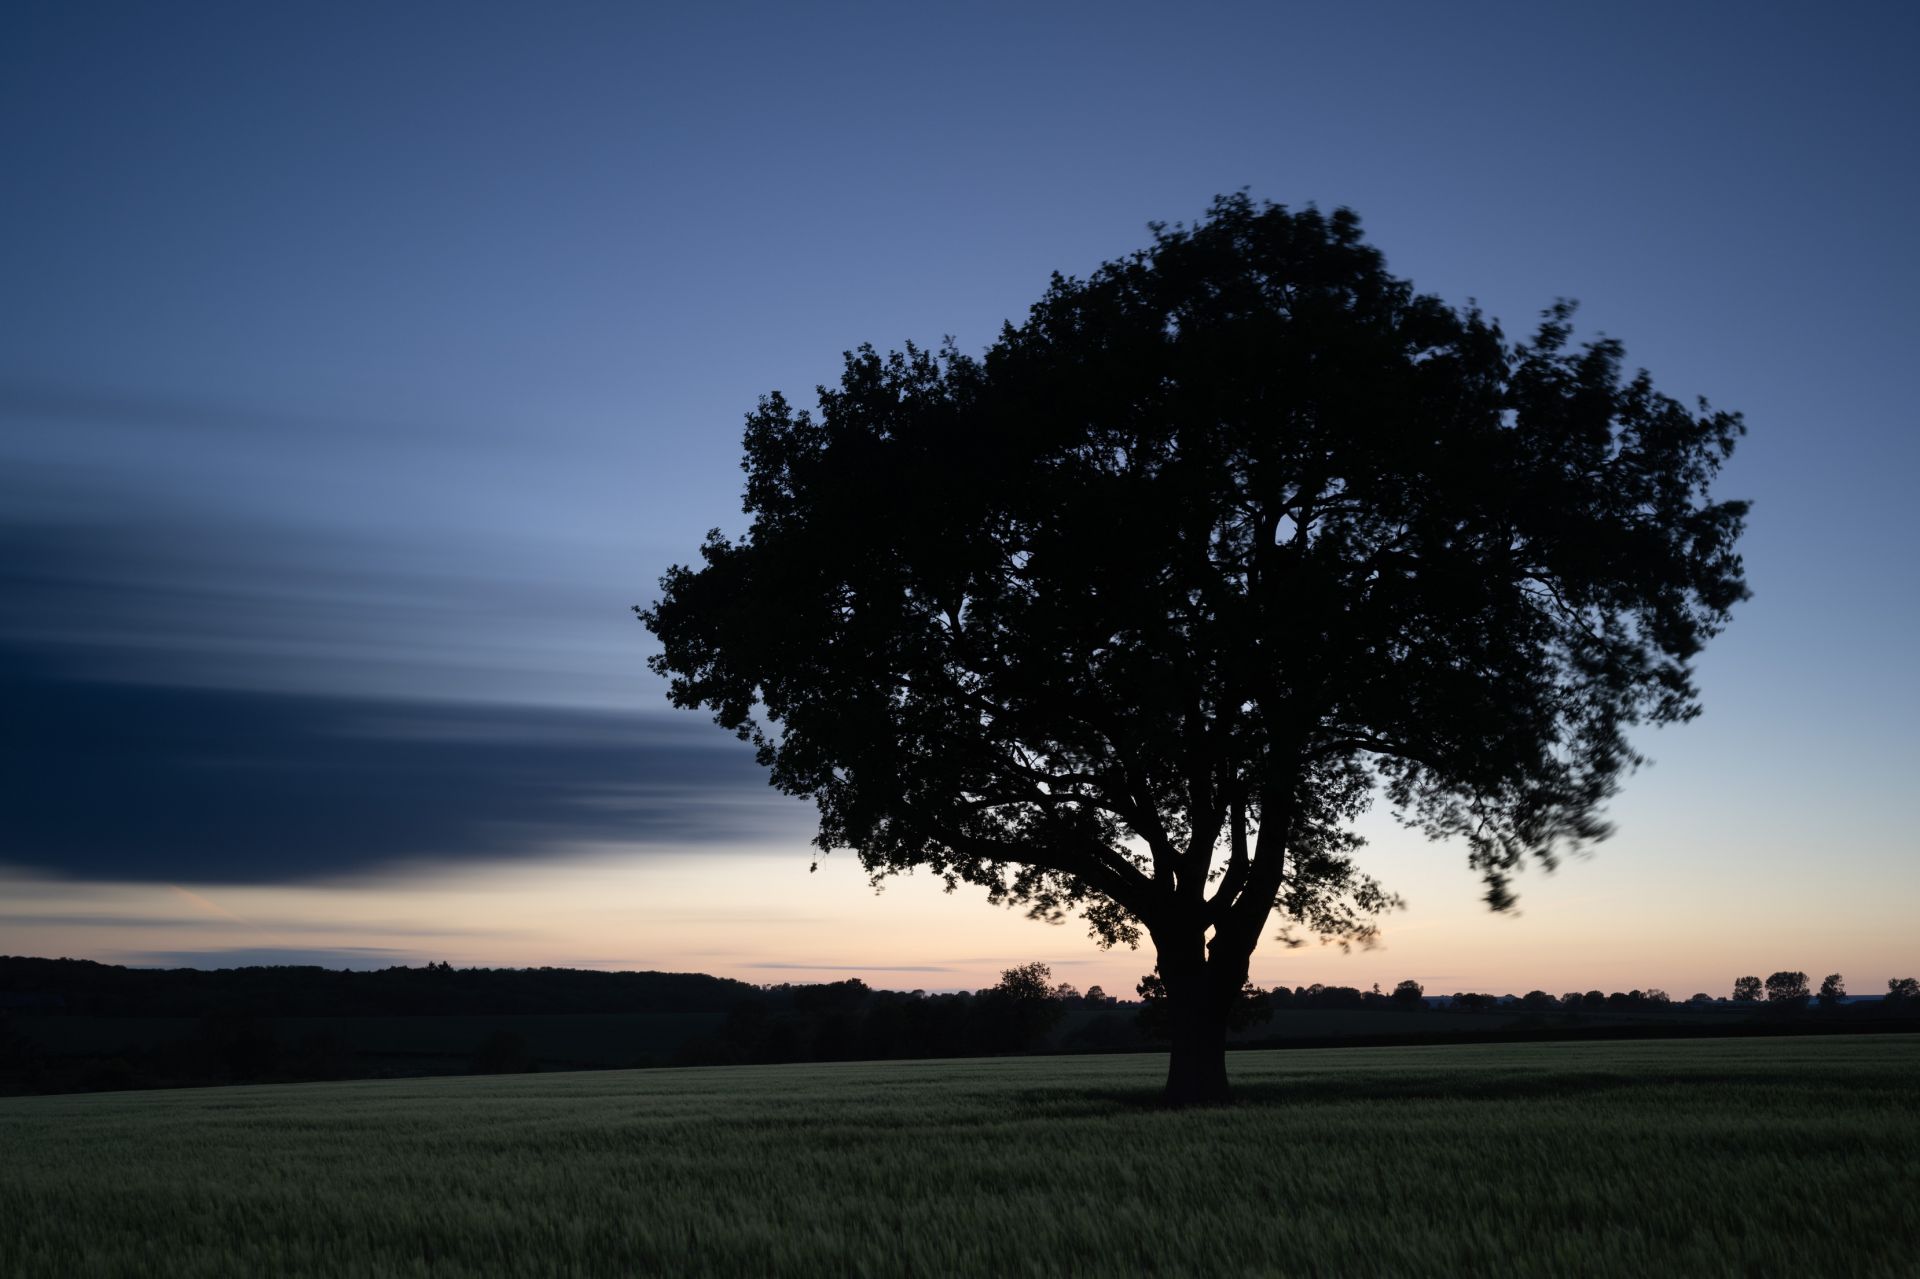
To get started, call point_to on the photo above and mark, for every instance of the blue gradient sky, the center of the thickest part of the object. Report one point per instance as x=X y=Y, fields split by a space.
x=360 y=365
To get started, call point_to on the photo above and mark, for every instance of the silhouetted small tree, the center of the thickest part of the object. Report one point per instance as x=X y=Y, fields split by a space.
x=1746 y=990
x=1538 y=1001
x=1016 y=1014
x=1031 y=983
x=1410 y=994
x=1787 y=989
x=1903 y=990
x=1833 y=991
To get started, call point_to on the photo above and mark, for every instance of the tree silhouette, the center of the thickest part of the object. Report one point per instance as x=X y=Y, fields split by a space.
x=1788 y=989
x=1016 y=1014
x=1136 y=613
x=1746 y=990
x=1832 y=990
x=1032 y=983
x=1410 y=994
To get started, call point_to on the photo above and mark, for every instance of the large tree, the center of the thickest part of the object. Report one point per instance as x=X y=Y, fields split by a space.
x=1136 y=613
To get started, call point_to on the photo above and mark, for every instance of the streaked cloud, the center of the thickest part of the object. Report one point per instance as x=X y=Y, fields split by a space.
x=855 y=968
x=357 y=957
x=201 y=903
x=117 y=920
x=109 y=780
x=214 y=701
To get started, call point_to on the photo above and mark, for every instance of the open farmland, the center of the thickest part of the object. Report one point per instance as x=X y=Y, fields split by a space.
x=1700 y=1157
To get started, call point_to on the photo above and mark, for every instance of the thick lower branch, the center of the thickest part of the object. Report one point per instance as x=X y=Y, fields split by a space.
x=1235 y=875
x=1097 y=866
x=1238 y=919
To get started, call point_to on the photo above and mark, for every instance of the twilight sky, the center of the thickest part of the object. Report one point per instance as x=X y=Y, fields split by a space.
x=360 y=365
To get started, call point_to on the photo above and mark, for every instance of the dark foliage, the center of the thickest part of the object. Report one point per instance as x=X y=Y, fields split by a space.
x=1788 y=989
x=836 y=1021
x=502 y=1053
x=1017 y=1014
x=82 y=986
x=1746 y=990
x=849 y=1020
x=237 y=1047
x=1136 y=613
x=239 y=1011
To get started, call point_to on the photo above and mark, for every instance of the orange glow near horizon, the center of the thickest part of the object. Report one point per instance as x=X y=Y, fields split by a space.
x=759 y=916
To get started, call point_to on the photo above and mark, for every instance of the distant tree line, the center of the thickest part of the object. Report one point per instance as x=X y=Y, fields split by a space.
x=293 y=1023
x=84 y=987
x=848 y=1020
x=1781 y=991
x=256 y=1036
x=1792 y=990
x=1788 y=990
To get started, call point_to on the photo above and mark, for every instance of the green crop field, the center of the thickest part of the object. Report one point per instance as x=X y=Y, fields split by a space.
x=1690 y=1157
x=579 y=1040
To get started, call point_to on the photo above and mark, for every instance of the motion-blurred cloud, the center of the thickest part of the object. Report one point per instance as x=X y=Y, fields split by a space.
x=112 y=780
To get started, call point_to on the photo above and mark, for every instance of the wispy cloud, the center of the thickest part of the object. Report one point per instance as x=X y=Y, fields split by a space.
x=215 y=925
x=357 y=957
x=201 y=903
x=854 y=968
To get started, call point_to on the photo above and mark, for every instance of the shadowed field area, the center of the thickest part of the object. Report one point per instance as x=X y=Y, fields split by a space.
x=1782 y=1156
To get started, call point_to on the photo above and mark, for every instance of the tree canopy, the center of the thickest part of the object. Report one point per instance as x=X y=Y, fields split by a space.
x=1787 y=988
x=1134 y=614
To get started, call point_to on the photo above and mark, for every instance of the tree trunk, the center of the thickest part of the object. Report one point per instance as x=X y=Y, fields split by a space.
x=1197 y=1068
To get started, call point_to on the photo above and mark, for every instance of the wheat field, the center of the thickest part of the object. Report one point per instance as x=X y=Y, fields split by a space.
x=1692 y=1157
